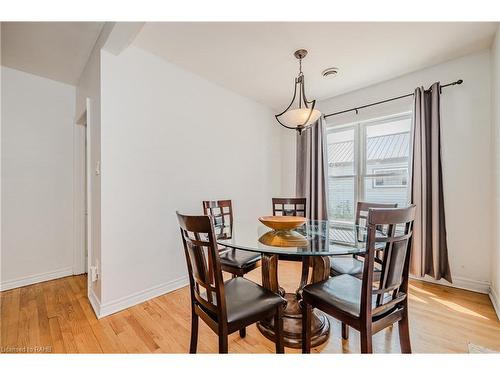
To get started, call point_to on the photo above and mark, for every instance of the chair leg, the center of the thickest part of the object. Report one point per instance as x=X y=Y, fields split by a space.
x=194 y=333
x=366 y=339
x=306 y=327
x=278 y=330
x=243 y=332
x=404 y=333
x=345 y=331
x=223 y=343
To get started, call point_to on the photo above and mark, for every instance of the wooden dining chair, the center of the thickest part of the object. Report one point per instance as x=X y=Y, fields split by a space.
x=366 y=305
x=352 y=265
x=289 y=207
x=225 y=307
x=235 y=262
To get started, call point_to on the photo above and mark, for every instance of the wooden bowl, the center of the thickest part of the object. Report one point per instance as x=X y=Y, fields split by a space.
x=282 y=222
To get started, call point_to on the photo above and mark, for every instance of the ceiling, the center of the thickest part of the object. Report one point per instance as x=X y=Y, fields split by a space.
x=55 y=50
x=255 y=59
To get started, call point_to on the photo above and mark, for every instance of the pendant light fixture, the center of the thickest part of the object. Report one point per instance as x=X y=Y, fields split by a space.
x=300 y=114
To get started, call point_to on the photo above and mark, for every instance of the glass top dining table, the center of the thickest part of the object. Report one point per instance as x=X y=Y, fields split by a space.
x=314 y=238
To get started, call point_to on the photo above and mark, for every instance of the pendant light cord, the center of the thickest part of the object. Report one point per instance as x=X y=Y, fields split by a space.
x=300 y=82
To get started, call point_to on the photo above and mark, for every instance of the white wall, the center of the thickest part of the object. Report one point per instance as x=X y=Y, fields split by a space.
x=495 y=261
x=289 y=163
x=37 y=178
x=171 y=139
x=466 y=151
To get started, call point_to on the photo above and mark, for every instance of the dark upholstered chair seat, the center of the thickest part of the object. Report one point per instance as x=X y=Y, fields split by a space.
x=342 y=292
x=244 y=299
x=345 y=265
x=350 y=266
x=238 y=258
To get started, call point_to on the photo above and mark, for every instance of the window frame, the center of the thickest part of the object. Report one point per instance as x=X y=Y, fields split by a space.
x=359 y=163
x=395 y=174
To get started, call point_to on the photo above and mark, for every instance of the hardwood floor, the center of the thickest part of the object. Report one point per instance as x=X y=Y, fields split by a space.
x=56 y=316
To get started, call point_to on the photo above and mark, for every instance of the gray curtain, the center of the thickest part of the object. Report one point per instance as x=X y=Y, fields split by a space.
x=430 y=250
x=312 y=170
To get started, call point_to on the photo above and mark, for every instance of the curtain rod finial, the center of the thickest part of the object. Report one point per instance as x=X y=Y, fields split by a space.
x=460 y=81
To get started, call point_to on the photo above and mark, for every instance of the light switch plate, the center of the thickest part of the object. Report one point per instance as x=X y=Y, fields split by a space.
x=94 y=275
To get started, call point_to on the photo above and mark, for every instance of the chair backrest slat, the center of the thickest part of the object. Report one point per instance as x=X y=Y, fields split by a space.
x=362 y=209
x=289 y=207
x=393 y=283
x=222 y=214
x=203 y=263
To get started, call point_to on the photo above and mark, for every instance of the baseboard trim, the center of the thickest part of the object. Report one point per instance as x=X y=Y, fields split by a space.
x=136 y=298
x=495 y=300
x=482 y=287
x=38 y=278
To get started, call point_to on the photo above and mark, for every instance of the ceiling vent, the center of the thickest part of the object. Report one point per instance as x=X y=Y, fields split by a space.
x=330 y=72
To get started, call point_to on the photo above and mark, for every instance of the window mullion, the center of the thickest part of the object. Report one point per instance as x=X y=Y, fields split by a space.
x=355 y=168
x=360 y=140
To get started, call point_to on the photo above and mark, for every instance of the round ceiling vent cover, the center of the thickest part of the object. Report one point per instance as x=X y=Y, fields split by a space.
x=330 y=72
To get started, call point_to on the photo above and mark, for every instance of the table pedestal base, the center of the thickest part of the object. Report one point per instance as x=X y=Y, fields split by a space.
x=292 y=325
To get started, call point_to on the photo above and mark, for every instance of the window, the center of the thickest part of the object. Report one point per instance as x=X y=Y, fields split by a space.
x=368 y=161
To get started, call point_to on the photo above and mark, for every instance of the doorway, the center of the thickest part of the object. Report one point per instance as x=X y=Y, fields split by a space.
x=81 y=196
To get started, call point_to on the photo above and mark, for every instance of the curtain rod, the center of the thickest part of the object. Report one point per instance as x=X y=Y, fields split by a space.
x=458 y=82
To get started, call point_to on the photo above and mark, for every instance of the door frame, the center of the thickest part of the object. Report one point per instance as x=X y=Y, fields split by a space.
x=81 y=173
